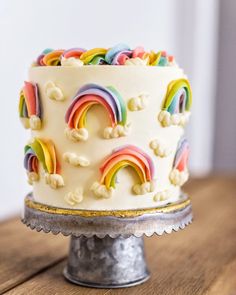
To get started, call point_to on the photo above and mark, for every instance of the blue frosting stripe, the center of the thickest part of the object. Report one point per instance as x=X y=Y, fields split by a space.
x=111 y=53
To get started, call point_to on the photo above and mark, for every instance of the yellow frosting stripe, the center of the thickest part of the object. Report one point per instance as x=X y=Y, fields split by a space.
x=37 y=148
x=53 y=58
x=82 y=120
x=87 y=56
x=52 y=153
x=80 y=115
x=47 y=156
x=154 y=58
x=120 y=165
x=21 y=103
x=173 y=87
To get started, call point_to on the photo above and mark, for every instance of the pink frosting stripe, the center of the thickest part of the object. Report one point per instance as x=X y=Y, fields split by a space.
x=73 y=52
x=181 y=156
x=30 y=98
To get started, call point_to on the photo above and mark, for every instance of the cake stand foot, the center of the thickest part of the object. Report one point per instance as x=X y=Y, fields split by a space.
x=107 y=262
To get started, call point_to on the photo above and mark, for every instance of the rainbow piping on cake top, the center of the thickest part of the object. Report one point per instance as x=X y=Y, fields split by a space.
x=106 y=137
x=120 y=54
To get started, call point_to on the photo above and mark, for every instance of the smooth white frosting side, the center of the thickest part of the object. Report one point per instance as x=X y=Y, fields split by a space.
x=130 y=82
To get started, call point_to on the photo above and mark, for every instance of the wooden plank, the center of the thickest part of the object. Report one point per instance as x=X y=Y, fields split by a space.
x=24 y=253
x=51 y=281
x=225 y=284
x=199 y=259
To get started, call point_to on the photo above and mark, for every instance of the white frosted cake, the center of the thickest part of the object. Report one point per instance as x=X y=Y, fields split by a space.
x=107 y=128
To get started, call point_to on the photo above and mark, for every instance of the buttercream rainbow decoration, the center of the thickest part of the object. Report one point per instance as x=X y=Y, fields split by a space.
x=85 y=98
x=43 y=152
x=182 y=155
x=177 y=103
x=128 y=155
x=179 y=174
x=120 y=54
x=30 y=107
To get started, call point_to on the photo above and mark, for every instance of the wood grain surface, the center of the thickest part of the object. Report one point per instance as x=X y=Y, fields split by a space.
x=198 y=260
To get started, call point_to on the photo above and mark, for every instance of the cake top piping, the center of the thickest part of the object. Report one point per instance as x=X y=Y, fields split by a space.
x=120 y=54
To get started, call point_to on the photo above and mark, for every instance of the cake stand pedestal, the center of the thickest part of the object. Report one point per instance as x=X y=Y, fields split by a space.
x=106 y=248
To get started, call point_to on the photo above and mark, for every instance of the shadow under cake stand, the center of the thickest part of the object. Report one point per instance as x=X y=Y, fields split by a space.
x=107 y=248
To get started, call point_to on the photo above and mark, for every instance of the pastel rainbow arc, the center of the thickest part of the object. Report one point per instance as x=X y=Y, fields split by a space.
x=91 y=94
x=122 y=157
x=42 y=151
x=29 y=103
x=182 y=155
x=178 y=98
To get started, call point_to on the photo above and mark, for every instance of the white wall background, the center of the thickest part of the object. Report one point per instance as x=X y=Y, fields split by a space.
x=225 y=119
x=184 y=28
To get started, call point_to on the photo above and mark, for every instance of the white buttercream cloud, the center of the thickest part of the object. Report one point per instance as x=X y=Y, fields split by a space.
x=137 y=61
x=35 y=122
x=162 y=196
x=54 y=180
x=138 y=103
x=77 y=135
x=71 y=62
x=144 y=188
x=32 y=177
x=53 y=92
x=178 y=178
x=159 y=148
x=166 y=119
x=101 y=191
x=75 y=160
x=117 y=131
x=75 y=197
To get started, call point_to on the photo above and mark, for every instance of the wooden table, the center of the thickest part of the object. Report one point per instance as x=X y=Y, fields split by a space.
x=198 y=260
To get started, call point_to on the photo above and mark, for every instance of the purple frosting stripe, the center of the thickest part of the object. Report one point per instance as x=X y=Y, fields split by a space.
x=110 y=93
x=30 y=159
x=37 y=102
x=182 y=146
x=28 y=154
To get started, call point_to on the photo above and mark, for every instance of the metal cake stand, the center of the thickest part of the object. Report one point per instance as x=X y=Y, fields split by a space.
x=107 y=248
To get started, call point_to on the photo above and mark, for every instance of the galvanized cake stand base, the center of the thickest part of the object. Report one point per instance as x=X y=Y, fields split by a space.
x=106 y=248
